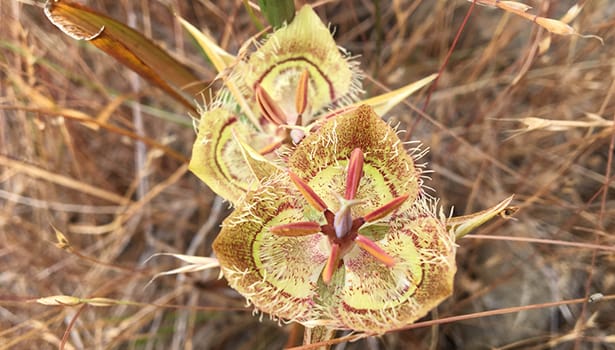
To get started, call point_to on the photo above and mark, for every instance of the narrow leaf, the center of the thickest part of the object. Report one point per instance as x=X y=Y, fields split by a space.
x=195 y=264
x=278 y=12
x=191 y=259
x=257 y=164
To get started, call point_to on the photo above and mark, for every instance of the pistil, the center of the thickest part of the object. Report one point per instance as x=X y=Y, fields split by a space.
x=343 y=217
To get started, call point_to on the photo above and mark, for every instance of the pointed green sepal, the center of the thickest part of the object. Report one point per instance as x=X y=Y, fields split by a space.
x=385 y=102
x=462 y=225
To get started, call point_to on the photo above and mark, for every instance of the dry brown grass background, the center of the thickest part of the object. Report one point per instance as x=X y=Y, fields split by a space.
x=119 y=201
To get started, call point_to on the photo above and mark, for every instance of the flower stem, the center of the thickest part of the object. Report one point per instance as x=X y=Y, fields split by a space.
x=318 y=334
x=278 y=11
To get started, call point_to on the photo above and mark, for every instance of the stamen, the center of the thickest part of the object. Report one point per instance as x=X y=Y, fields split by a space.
x=386 y=209
x=355 y=172
x=296 y=229
x=374 y=250
x=269 y=107
x=307 y=192
x=301 y=95
x=331 y=265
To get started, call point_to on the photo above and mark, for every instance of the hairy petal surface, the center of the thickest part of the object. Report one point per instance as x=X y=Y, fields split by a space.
x=277 y=274
x=388 y=171
x=392 y=264
x=376 y=298
x=366 y=294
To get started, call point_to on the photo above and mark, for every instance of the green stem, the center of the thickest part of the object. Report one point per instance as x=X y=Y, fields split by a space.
x=278 y=11
x=257 y=23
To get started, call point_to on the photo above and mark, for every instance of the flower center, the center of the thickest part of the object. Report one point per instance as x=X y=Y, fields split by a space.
x=275 y=114
x=341 y=229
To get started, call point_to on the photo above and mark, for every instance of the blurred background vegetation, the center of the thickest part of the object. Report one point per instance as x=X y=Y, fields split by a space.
x=120 y=191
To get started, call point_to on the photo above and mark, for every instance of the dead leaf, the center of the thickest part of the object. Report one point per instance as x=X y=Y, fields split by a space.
x=128 y=46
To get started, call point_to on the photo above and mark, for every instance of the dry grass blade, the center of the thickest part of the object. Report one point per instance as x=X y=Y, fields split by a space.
x=533 y=124
x=462 y=225
x=38 y=173
x=195 y=264
x=553 y=26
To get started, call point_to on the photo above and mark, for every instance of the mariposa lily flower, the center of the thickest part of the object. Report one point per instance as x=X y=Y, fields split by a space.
x=272 y=99
x=345 y=237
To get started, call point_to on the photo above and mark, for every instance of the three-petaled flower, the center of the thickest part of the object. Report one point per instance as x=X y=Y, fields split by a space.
x=272 y=99
x=345 y=237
